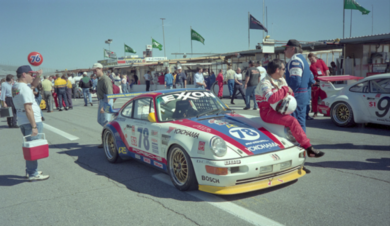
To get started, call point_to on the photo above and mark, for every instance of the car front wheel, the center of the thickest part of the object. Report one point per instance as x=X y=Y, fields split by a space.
x=181 y=170
x=109 y=147
x=342 y=114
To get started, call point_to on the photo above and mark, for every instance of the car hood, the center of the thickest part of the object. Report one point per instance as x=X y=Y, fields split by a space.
x=244 y=134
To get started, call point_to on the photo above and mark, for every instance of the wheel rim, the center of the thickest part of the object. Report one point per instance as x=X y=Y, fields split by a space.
x=341 y=113
x=178 y=166
x=109 y=145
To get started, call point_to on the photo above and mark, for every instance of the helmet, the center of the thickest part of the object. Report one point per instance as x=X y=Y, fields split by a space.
x=285 y=106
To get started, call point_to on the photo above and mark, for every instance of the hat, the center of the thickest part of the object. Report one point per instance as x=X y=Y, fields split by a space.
x=97 y=65
x=179 y=67
x=85 y=73
x=293 y=42
x=250 y=62
x=24 y=69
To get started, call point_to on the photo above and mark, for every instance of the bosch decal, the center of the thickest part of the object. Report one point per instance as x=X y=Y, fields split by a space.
x=213 y=180
x=187 y=133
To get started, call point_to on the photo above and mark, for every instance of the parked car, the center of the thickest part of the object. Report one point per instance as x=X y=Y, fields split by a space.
x=364 y=101
x=202 y=144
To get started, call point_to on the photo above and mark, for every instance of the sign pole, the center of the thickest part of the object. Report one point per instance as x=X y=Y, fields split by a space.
x=249 y=20
x=191 y=39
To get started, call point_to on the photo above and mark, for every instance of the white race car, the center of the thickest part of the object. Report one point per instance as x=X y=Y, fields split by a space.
x=364 y=101
x=201 y=143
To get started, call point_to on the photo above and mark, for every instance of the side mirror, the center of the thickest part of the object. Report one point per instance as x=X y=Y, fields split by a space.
x=152 y=117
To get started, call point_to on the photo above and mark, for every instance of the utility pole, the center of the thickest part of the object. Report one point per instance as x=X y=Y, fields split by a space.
x=162 y=19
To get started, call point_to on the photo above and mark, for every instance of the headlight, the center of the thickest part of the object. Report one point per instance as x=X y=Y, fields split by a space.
x=218 y=146
x=289 y=136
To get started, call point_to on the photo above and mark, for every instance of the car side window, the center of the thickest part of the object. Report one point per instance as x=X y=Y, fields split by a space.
x=380 y=86
x=128 y=110
x=362 y=87
x=142 y=108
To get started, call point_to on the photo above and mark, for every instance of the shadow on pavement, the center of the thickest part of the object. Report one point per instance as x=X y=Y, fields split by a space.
x=134 y=175
x=11 y=180
x=327 y=124
x=354 y=147
x=372 y=164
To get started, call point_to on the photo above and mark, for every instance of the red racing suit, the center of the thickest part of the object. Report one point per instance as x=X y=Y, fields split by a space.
x=270 y=91
x=318 y=69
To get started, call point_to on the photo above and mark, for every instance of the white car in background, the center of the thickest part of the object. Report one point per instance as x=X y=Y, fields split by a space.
x=366 y=101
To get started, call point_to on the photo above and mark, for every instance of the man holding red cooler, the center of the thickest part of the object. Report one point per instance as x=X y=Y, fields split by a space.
x=29 y=113
x=318 y=68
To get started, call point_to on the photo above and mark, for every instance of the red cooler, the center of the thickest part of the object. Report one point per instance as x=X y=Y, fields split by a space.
x=35 y=149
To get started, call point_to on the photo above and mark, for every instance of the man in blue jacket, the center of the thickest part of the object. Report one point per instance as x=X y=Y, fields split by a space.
x=298 y=76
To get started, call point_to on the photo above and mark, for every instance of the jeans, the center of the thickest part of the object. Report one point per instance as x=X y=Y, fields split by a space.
x=62 y=96
x=147 y=85
x=48 y=98
x=231 y=86
x=124 y=88
x=31 y=166
x=103 y=118
x=250 y=90
x=85 y=94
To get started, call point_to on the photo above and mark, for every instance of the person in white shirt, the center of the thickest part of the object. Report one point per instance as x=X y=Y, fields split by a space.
x=262 y=70
x=238 y=87
x=199 y=79
x=29 y=114
x=73 y=82
x=147 y=78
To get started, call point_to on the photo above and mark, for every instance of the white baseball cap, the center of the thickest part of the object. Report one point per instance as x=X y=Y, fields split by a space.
x=85 y=73
x=179 y=67
x=97 y=65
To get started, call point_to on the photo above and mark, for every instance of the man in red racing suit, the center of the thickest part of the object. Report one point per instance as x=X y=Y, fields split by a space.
x=272 y=89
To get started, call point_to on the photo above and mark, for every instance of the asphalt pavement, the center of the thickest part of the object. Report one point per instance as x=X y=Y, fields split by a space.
x=350 y=185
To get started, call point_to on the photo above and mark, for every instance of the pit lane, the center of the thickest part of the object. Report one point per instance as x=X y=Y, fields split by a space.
x=348 y=186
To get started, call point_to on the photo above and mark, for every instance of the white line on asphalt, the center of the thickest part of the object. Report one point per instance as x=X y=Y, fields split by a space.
x=229 y=207
x=60 y=132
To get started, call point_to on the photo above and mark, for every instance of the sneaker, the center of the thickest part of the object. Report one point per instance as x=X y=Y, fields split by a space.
x=314 y=153
x=66 y=109
x=39 y=173
x=39 y=177
x=91 y=104
x=246 y=108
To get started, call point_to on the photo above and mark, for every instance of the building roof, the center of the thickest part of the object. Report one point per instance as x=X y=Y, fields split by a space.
x=378 y=38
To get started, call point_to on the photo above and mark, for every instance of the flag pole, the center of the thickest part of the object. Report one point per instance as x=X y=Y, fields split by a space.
x=263 y=18
x=191 y=38
x=249 y=20
x=372 y=16
x=350 y=30
x=343 y=17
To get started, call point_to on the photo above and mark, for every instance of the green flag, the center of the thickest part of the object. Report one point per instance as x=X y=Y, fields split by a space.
x=156 y=45
x=352 y=4
x=196 y=36
x=129 y=49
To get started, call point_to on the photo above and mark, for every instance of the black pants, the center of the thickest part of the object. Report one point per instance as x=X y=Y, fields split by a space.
x=11 y=120
x=238 y=88
x=147 y=85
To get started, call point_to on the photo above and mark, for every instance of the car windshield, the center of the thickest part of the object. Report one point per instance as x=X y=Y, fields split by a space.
x=188 y=104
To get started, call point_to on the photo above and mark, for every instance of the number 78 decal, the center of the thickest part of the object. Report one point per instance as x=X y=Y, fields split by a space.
x=244 y=133
x=145 y=133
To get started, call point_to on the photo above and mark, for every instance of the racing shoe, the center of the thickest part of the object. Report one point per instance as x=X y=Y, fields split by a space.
x=312 y=152
x=39 y=177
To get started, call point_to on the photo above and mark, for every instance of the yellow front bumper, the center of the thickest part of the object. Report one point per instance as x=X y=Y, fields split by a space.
x=242 y=188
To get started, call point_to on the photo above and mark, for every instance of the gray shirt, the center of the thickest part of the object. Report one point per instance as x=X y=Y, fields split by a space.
x=254 y=74
x=104 y=87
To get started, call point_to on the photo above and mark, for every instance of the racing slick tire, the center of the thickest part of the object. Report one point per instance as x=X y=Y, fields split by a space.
x=342 y=115
x=181 y=170
x=109 y=146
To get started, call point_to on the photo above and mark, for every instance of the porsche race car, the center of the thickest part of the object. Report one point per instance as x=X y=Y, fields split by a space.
x=202 y=144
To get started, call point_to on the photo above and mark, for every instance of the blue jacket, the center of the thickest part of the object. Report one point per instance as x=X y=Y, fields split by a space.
x=169 y=79
x=298 y=76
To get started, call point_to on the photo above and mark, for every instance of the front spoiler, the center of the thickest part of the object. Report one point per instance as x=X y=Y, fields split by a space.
x=242 y=188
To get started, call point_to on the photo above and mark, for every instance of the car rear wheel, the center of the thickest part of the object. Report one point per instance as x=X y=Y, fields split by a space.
x=181 y=170
x=342 y=114
x=109 y=147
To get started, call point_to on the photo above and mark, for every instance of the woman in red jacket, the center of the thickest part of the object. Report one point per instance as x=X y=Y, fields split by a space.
x=220 y=84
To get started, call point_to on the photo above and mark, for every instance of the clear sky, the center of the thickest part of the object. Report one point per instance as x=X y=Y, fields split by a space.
x=71 y=33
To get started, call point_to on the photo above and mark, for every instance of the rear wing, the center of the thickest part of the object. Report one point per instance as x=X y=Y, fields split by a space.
x=109 y=100
x=338 y=78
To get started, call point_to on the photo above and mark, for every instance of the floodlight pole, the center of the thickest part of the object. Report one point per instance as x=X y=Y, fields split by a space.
x=162 y=20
